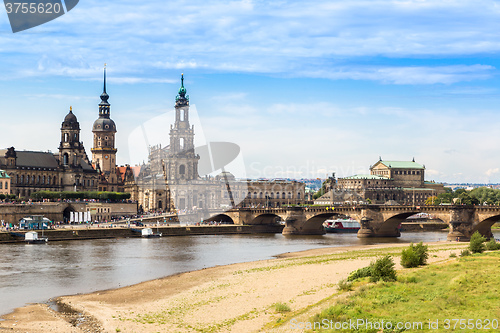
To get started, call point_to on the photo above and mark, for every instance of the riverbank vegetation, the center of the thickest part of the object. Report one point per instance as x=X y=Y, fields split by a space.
x=65 y=195
x=465 y=288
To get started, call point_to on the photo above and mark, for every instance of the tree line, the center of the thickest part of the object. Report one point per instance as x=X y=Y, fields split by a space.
x=480 y=195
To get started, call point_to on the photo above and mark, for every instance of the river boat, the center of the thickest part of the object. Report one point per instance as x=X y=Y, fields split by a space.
x=148 y=233
x=31 y=237
x=341 y=225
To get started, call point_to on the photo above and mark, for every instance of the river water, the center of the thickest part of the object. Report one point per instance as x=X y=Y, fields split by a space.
x=35 y=273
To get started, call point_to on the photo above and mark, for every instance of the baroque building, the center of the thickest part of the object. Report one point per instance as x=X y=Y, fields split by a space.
x=170 y=181
x=397 y=182
x=67 y=170
x=70 y=169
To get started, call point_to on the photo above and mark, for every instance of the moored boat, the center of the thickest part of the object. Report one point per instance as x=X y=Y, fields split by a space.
x=148 y=233
x=31 y=237
x=341 y=225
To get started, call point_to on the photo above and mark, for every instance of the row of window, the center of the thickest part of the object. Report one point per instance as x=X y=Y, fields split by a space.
x=404 y=172
x=265 y=195
x=6 y=186
x=40 y=180
x=47 y=180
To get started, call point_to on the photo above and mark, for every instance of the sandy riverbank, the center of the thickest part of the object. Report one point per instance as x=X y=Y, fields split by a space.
x=237 y=298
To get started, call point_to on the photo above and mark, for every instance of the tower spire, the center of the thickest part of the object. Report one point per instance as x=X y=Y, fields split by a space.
x=182 y=99
x=104 y=105
x=104 y=89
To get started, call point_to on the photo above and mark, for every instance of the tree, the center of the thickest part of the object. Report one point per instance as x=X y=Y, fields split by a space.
x=476 y=244
x=432 y=201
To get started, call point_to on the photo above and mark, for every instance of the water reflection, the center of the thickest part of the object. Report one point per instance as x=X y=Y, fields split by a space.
x=35 y=273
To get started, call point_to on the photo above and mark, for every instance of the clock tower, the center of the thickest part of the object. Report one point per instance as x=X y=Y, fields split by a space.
x=104 y=151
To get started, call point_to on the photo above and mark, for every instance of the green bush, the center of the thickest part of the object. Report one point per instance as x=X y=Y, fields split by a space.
x=360 y=273
x=453 y=255
x=344 y=285
x=383 y=269
x=414 y=255
x=422 y=252
x=492 y=245
x=465 y=253
x=281 y=307
x=476 y=244
x=409 y=258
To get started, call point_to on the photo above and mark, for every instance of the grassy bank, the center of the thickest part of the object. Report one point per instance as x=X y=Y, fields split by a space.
x=460 y=294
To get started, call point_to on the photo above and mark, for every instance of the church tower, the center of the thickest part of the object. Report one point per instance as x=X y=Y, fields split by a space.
x=70 y=146
x=181 y=163
x=104 y=151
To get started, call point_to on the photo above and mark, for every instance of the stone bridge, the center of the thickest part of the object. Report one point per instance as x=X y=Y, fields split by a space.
x=376 y=220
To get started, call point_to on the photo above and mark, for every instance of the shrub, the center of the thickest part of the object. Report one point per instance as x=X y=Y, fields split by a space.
x=383 y=269
x=344 y=285
x=422 y=252
x=409 y=258
x=414 y=255
x=360 y=273
x=453 y=255
x=492 y=245
x=476 y=243
x=465 y=253
x=281 y=307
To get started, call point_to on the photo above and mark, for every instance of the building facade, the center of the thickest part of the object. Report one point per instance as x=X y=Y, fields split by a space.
x=4 y=183
x=389 y=182
x=70 y=169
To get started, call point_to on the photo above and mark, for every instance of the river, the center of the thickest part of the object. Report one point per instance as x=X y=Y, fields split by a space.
x=36 y=273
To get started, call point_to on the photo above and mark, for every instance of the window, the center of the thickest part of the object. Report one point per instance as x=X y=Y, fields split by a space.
x=298 y=195
x=1 y=183
x=182 y=169
x=65 y=137
x=289 y=195
x=65 y=159
x=283 y=195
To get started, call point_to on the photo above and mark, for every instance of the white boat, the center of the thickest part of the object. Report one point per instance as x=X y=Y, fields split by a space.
x=341 y=225
x=31 y=237
x=148 y=233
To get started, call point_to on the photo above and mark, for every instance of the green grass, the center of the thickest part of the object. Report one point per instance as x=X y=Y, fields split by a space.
x=466 y=288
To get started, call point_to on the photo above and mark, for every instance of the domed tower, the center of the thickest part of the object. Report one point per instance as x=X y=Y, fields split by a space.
x=70 y=147
x=182 y=162
x=104 y=151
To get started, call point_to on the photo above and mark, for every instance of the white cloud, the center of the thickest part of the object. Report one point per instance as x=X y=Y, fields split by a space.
x=491 y=172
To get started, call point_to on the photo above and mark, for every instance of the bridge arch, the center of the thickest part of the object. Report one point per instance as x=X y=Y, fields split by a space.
x=390 y=227
x=266 y=218
x=224 y=218
x=484 y=226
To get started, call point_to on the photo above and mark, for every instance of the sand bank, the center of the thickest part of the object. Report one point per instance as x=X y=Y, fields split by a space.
x=236 y=298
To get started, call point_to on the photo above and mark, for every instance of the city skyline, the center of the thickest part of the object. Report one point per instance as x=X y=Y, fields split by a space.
x=304 y=90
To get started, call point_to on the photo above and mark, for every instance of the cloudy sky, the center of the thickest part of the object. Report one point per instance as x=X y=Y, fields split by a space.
x=304 y=88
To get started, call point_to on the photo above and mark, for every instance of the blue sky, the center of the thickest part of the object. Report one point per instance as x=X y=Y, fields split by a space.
x=305 y=88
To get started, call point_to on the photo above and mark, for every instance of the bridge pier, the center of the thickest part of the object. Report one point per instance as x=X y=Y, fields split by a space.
x=461 y=224
x=370 y=229
x=295 y=224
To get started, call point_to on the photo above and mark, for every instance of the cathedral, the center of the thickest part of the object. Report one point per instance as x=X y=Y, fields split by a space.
x=170 y=180
x=70 y=169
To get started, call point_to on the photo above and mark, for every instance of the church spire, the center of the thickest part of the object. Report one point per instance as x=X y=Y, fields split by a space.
x=182 y=99
x=104 y=105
